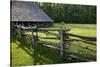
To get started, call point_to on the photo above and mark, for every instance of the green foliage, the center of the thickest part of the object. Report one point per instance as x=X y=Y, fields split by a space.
x=70 y=13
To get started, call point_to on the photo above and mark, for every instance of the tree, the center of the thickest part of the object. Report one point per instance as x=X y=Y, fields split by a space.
x=70 y=13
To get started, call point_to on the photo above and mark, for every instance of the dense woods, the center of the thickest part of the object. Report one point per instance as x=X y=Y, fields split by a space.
x=70 y=13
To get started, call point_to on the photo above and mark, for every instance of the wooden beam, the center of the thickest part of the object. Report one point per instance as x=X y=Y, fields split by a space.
x=90 y=38
x=88 y=57
x=89 y=42
x=47 y=43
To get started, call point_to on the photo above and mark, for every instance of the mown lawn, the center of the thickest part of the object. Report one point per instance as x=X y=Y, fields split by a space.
x=23 y=54
x=80 y=29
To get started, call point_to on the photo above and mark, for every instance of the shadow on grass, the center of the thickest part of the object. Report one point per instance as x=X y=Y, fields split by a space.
x=42 y=54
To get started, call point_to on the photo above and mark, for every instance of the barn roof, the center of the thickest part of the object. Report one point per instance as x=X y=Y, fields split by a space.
x=28 y=11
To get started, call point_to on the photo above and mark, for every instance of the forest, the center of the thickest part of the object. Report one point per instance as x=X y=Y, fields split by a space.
x=70 y=13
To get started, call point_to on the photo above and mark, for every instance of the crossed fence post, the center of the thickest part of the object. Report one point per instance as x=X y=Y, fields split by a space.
x=33 y=36
x=63 y=43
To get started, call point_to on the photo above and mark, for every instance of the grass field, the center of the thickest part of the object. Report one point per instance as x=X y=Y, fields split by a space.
x=23 y=54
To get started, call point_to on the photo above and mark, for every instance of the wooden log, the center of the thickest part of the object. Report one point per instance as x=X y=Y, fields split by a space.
x=78 y=58
x=36 y=32
x=47 y=43
x=51 y=33
x=90 y=38
x=41 y=29
x=88 y=57
x=63 y=44
x=48 y=38
x=89 y=42
x=49 y=29
x=19 y=31
x=23 y=27
x=33 y=37
x=88 y=48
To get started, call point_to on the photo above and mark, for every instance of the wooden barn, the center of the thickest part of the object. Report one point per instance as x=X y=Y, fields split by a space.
x=26 y=12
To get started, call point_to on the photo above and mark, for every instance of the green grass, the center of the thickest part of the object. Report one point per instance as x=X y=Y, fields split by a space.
x=80 y=29
x=23 y=54
x=20 y=56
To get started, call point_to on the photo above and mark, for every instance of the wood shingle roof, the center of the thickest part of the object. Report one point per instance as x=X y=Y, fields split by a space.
x=28 y=11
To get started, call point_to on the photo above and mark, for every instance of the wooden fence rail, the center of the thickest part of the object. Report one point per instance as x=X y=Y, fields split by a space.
x=88 y=57
x=90 y=38
x=89 y=42
x=64 y=38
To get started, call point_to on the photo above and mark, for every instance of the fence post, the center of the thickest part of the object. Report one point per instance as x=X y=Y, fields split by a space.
x=20 y=31
x=33 y=37
x=63 y=45
x=36 y=31
x=12 y=34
